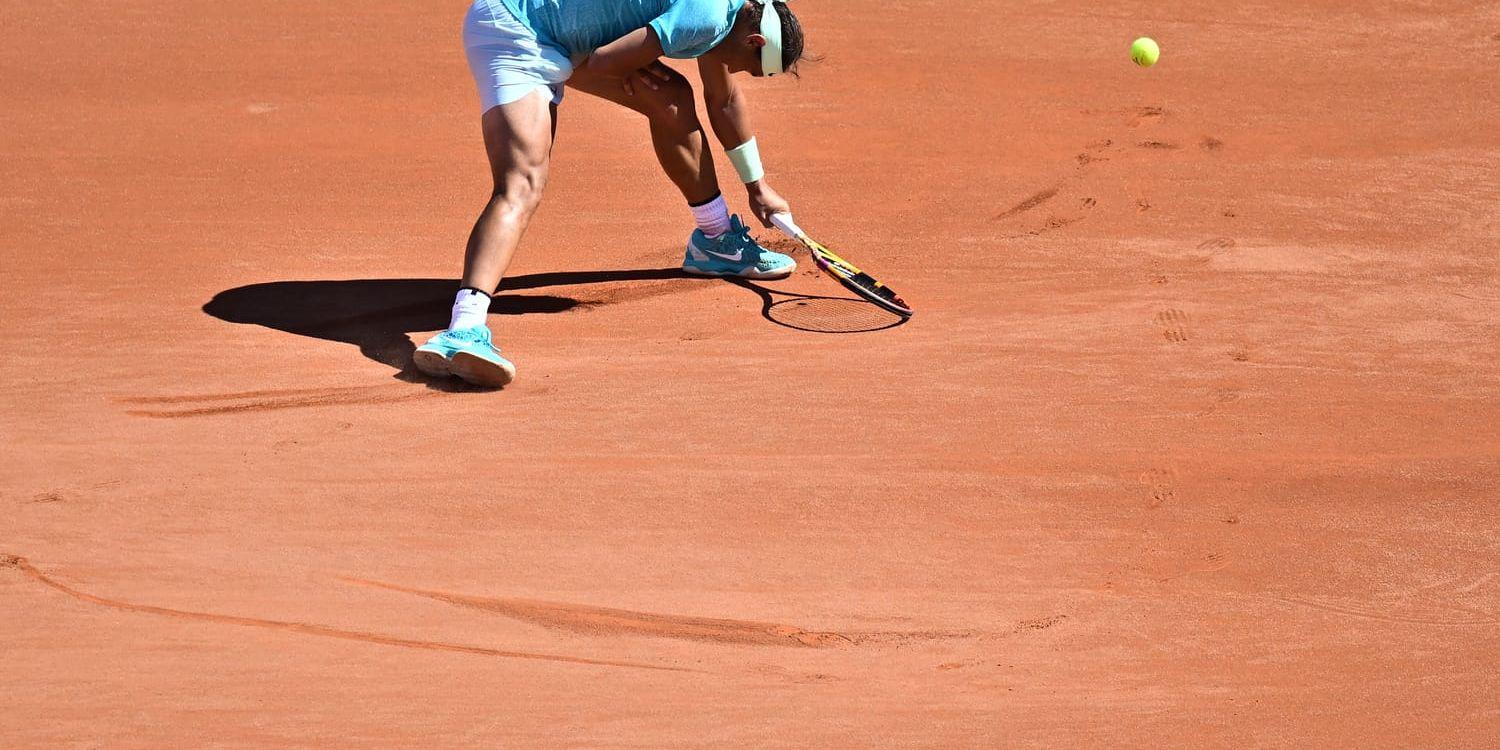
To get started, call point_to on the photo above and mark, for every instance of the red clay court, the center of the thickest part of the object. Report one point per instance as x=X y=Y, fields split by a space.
x=1193 y=442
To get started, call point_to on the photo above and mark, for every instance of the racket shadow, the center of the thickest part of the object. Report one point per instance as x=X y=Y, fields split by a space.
x=821 y=314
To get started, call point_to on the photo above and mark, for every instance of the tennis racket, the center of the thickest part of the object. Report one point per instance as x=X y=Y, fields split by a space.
x=847 y=273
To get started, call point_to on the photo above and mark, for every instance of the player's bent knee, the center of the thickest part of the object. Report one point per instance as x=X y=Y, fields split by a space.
x=520 y=192
x=672 y=106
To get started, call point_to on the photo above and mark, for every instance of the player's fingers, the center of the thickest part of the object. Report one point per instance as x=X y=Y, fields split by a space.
x=627 y=86
x=660 y=71
x=651 y=82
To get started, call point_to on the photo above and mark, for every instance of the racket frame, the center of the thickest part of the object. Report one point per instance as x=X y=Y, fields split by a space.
x=843 y=271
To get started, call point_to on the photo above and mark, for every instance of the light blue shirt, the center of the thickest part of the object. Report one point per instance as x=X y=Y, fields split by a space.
x=687 y=28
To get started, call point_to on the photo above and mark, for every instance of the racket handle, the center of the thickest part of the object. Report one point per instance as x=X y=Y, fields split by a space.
x=783 y=221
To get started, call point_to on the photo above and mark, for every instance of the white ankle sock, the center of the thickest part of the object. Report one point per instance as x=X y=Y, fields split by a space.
x=712 y=217
x=471 y=308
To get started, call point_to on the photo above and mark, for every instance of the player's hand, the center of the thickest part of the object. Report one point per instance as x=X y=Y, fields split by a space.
x=764 y=201
x=652 y=77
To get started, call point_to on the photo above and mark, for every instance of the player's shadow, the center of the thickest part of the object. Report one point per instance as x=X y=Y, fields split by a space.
x=377 y=315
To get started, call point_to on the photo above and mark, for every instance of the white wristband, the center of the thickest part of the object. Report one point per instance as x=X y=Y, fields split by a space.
x=746 y=160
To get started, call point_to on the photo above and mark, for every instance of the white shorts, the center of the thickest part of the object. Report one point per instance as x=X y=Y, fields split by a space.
x=507 y=59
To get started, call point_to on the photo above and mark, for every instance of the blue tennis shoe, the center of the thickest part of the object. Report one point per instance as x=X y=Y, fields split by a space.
x=735 y=253
x=468 y=354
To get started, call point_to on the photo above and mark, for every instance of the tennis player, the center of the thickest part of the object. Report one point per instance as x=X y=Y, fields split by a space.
x=523 y=53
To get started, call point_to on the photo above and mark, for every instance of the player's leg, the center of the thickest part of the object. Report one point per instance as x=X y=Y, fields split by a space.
x=520 y=85
x=518 y=140
x=676 y=135
x=721 y=245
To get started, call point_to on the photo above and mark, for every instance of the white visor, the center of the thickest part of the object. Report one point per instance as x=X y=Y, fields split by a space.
x=770 y=28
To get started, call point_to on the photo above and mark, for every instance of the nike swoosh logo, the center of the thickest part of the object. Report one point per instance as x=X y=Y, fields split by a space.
x=738 y=255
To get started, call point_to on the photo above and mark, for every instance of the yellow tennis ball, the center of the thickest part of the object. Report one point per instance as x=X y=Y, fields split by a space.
x=1145 y=52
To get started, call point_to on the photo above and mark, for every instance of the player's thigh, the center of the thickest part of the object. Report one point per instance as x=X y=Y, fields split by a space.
x=668 y=99
x=518 y=137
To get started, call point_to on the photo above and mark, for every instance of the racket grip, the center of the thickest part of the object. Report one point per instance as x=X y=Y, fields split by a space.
x=783 y=221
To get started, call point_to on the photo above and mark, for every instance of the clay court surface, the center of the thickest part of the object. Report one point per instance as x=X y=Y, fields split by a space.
x=1192 y=443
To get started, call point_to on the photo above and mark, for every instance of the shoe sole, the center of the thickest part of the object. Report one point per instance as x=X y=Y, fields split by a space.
x=751 y=274
x=480 y=371
x=432 y=364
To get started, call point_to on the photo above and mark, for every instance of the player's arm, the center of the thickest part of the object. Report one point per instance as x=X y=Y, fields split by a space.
x=729 y=115
x=624 y=56
x=726 y=104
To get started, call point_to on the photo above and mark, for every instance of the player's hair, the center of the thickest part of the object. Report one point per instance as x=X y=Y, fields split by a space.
x=791 y=32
